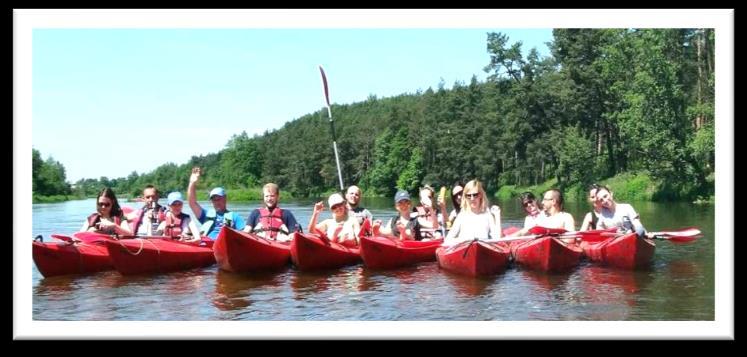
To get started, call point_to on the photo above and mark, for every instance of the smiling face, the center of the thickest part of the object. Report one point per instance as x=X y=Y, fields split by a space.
x=270 y=197
x=104 y=206
x=530 y=207
x=604 y=198
x=353 y=196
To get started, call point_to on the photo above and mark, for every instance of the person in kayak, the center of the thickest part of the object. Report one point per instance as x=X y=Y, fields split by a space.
x=429 y=217
x=146 y=220
x=553 y=215
x=456 y=201
x=214 y=218
x=178 y=224
x=109 y=218
x=401 y=226
x=341 y=228
x=353 y=197
x=474 y=220
x=270 y=221
x=591 y=218
x=531 y=208
x=620 y=215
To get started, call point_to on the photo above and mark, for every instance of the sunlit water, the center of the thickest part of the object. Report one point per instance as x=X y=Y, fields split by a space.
x=679 y=285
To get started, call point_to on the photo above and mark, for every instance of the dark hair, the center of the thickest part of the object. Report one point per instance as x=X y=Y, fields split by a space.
x=109 y=193
x=558 y=197
x=527 y=196
x=457 y=205
x=154 y=188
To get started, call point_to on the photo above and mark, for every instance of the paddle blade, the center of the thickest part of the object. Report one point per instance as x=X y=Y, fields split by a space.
x=326 y=89
x=597 y=235
x=679 y=239
x=687 y=232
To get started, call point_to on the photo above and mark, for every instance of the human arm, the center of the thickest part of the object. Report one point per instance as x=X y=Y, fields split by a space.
x=123 y=228
x=313 y=228
x=194 y=230
x=569 y=224
x=192 y=192
x=586 y=223
x=495 y=226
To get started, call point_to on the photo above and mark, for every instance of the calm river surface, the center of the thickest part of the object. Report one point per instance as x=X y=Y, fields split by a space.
x=679 y=285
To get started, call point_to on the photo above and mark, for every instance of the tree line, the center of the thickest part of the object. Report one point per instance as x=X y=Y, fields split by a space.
x=605 y=102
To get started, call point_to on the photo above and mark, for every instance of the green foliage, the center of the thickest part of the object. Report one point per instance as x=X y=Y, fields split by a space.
x=48 y=177
x=605 y=103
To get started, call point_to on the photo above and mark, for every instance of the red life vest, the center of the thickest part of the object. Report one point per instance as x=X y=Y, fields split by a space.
x=96 y=218
x=174 y=225
x=135 y=225
x=270 y=222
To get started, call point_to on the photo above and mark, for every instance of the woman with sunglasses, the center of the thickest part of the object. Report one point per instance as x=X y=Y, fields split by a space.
x=531 y=208
x=109 y=218
x=341 y=228
x=177 y=224
x=456 y=201
x=591 y=218
x=474 y=220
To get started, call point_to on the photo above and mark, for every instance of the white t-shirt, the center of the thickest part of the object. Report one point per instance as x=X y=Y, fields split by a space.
x=558 y=220
x=469 y=225
x=531 y=221
x=609 y=219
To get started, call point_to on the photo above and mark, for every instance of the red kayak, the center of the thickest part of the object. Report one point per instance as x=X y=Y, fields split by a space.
x=547 y=253
x=626 y=251
x=238 y=251
x=63 y=258
x=474 y=258
x=385 y=253
x=310 y=252
x=158 y=255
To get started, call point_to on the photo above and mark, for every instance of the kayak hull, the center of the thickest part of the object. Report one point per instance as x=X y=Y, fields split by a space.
x=548 y=254
x=63 y=258
x=238 y=251
x=385 y=253
x=474 y=258
x=625 y=252
x=157 y=255
x=310 y=252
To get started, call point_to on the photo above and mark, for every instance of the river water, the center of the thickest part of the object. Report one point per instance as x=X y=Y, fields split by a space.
x=678 y=286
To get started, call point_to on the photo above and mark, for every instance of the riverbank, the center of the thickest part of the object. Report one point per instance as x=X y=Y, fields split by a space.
x=627 y=187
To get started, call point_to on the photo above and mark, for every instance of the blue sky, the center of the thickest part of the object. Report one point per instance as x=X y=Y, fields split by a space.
x=133 y=99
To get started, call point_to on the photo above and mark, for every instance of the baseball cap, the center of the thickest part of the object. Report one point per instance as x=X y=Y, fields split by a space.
x=173 y=197
x=217 y=191
x=401 y=195
x=335 y=199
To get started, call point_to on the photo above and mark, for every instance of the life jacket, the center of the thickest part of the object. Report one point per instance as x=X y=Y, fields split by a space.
x=209 y=224
x=413 y=225
x=135 y=225
x=270 y=222
x=96 y=218
x=426 y=212
x=174 y=225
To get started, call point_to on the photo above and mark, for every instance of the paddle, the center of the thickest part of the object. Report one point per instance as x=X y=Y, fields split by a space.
x=685 y=235
x=332 y=125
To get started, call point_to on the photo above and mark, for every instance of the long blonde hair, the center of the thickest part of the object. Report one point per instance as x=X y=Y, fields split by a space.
x=483 y=200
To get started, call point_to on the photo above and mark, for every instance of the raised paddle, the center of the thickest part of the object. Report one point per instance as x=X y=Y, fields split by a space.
x=332 y=126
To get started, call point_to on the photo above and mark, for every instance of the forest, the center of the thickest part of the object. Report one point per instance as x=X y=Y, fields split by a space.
x=606 y=102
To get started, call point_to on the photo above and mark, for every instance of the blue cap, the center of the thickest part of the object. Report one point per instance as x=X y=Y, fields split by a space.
x=173 y=197
x=401 y=195
x=217 y=191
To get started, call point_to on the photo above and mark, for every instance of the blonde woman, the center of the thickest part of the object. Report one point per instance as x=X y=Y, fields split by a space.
x=474 y=220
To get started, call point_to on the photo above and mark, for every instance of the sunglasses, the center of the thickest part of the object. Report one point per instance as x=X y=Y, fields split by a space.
x=104 y=204
x=528 y=203
x=472 y=195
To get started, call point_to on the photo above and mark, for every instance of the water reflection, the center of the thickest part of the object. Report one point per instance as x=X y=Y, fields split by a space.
x=371 y=279
x=232 y=290
x=471 y=286
x=545 y=281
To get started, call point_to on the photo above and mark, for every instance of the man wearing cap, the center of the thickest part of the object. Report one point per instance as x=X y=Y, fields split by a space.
x=178 y=225
x=214 y=218
x=353 y=196
x=401 y=226
x=146 y=220
x=270 y=221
